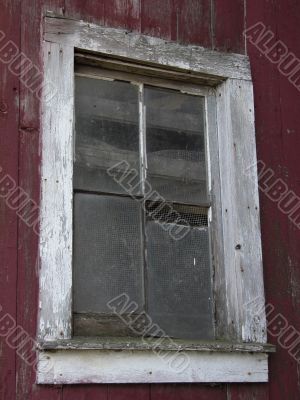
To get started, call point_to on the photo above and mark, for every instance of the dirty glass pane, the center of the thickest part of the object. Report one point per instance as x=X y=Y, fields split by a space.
x=175 y=145
x=107 y=134
x=107 y=252
x=179 y=282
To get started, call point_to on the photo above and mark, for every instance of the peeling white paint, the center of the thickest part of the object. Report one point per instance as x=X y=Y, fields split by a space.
x=73 y=367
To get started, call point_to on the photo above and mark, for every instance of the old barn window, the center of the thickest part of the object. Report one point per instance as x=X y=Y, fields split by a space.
x=149 y=235
x=140 y=207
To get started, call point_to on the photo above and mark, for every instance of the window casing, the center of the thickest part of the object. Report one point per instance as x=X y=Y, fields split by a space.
x=224 y=80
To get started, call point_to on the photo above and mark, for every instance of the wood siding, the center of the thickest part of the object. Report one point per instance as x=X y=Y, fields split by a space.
x=214 y=24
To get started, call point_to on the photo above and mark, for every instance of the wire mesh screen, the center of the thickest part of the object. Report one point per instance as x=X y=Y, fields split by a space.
x=107 y=133
x=179 y=286
x=108 y=257
x=176 y=213
x=156 y=252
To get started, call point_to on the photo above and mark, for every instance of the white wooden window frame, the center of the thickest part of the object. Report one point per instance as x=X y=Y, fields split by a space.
x=242 y=354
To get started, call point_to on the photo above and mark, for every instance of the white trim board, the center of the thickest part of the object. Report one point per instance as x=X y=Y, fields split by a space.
x=146 y=49
x=238 y=284
x=97 y=366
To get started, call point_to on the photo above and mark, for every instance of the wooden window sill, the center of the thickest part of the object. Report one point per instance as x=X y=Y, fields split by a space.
x=123 y=343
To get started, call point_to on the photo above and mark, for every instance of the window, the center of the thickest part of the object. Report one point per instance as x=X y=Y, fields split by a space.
x=148 y=192
x=140 y=207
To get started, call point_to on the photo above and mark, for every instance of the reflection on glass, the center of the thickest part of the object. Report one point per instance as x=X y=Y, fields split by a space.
x=175 y=145
x=107 y=132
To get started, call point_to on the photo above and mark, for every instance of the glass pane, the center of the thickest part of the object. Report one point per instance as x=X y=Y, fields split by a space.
x=175 y=145
x=107 y=252
x=107 y=133
x=179 y=282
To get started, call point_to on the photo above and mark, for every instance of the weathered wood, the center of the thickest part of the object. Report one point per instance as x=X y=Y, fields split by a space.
x=9 y=146
x=158 y=18
x=228 y=35
x=123 y=392
x=237 y=227
x=248 y=391
x=84 y=392
x=129 y=343
x=116 y=69
x=193 y=22
x=56 y=202
x=145 y=49
x=240 y=210
x=76 y=366
x=29 y=180
x=215 y=219
x=277 y=125
x=124 y=13
x=100 y=325
x=287 y=139
x=189 y=391
x=277 y=136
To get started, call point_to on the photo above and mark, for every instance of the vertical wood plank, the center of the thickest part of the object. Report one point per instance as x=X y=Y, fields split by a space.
x=85 y=392
x=274 y=146
x=91 y=10
x=158 y=18
x=228 y=25
x=9 y=120
x=31 y=13
x=124 y=392
x=123 y=14
x=112 y=13
x=240 y=209
x=194 y=22
x=285 y=371
x=57 y=195
x=273 y=96
x=288 y=29
x=188 y=392
x=248 y=392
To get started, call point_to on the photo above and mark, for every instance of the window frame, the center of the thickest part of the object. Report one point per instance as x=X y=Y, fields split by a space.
x=240 y=353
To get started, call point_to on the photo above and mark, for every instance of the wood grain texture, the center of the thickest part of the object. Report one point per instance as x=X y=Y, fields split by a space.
x=227 y=24
x=158 y=18
x=123 y=392
x=193 y=22
x=55 y=249
x=84 y=392
x=240 y=210
x=9 y=135
x=145 y=49
x=281 y=256
x=30 y=182
x=98 y=343
x=188 y=392
x=29 y=159
x=278 y=140
x=89 y=10
x=108 y=366
x=239 y=194
x=123 y=14
x=248 y=392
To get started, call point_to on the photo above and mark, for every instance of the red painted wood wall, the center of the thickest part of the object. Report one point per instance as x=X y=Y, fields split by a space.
x=216 y=24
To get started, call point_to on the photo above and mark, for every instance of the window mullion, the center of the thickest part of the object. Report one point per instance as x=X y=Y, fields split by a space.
x=143 y=175
x=142 y=130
